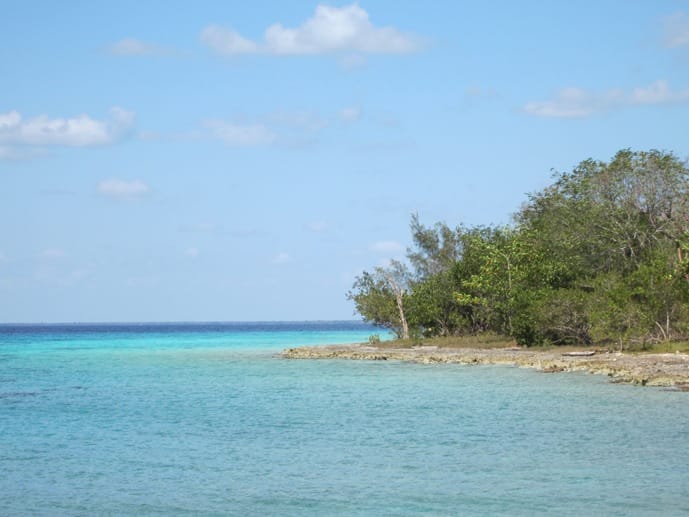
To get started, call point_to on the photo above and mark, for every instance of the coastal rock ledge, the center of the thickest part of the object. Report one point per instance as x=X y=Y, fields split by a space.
x=666 y=370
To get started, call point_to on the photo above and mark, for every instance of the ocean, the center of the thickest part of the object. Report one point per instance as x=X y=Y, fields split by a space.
x=207 y=419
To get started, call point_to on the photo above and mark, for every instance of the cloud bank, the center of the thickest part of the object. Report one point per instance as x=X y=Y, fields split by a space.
x=578 y=103
x=330 y=30
x=79 y=131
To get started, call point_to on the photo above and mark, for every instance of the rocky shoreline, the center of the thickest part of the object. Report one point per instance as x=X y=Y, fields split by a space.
x=645 y=369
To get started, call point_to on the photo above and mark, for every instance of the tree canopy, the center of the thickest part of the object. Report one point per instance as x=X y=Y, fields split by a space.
x=599 y=256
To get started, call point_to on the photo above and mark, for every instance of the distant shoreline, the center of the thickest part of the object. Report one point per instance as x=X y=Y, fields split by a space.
x=669 y=370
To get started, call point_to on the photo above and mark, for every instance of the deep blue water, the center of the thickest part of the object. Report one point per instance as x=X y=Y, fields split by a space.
x=206 y=419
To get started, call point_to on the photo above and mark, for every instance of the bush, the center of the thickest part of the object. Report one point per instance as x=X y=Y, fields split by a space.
x=374 y=339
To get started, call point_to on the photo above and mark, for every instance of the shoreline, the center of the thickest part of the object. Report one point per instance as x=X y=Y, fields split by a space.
x=668 y=370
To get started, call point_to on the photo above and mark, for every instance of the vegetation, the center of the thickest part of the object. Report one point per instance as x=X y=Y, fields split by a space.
x=599 y=257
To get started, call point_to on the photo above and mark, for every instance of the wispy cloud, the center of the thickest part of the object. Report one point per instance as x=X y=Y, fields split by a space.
x=386 y=247
x=226 y=41
x=122 y=189
x=240 y=135
x=352 y=61
x=281 y=258
x=277 y=127
x=19 y=153
x=318 y=226
x=296 y=120
x=53 y=253
x=577 y=102
x=198 y=228
x=350 y=114
x=331 y=30
x=16 y=132
x=136 y=47
x=676 y=30
x=480 y=92
x=192 y=252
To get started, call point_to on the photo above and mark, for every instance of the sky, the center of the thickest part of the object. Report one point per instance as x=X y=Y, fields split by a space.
x=243 y=161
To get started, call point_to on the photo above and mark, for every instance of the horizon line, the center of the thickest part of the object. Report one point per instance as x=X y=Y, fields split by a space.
x=181 y=322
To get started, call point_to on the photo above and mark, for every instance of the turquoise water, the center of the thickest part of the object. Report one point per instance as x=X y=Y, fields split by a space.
x=208 y=420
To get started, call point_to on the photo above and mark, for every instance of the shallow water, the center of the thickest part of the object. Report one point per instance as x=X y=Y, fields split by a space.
x=188 y=420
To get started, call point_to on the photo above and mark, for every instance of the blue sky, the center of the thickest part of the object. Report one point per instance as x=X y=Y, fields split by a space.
x=166 y=161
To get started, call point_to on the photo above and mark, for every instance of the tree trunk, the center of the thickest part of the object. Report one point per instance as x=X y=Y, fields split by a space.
x=400 y=306
x=403 y=319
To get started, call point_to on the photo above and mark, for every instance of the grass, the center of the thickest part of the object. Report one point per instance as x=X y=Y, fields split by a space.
x=487 y=340
x=669 y=347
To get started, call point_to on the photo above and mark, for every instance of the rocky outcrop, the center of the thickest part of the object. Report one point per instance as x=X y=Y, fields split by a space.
x=668 y=370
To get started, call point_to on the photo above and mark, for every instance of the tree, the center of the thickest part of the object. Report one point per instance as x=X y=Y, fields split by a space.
x=433 y=307
x=601 y=255
x=436 y=249
x=380 y=297
x=606 y=216
x=606 y=235
x=433 y=256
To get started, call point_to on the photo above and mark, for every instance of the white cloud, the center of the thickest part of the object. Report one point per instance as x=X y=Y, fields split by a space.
x=300 y=120
x=241 y=135
x=386 y=247
x=577 y=102
x=9 y=121
x=122 y=189
x=329 y=30
x=282 y=258
x=658 y=93
x=192 y=252
x=135 y=47
x=79 y=131
x=676 y=30
x=569 y=102
x=351 y=114
x=226 y=41
x=277 y=127
x=318 y=226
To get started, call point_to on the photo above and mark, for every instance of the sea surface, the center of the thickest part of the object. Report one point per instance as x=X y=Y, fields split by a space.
x=207 y=419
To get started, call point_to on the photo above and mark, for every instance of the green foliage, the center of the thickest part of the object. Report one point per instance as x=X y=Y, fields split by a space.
x=375 y=301
x=432 y=306
x=374 y=339
x=380 y=297
x=600 y=256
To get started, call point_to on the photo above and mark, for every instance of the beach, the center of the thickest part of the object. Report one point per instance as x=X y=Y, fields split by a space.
x=669 y=370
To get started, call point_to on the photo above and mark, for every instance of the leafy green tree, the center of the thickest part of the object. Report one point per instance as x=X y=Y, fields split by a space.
x=436 y=249
x=380 y=297
x=601 y=255
x=433 y=308
x=607 y=233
